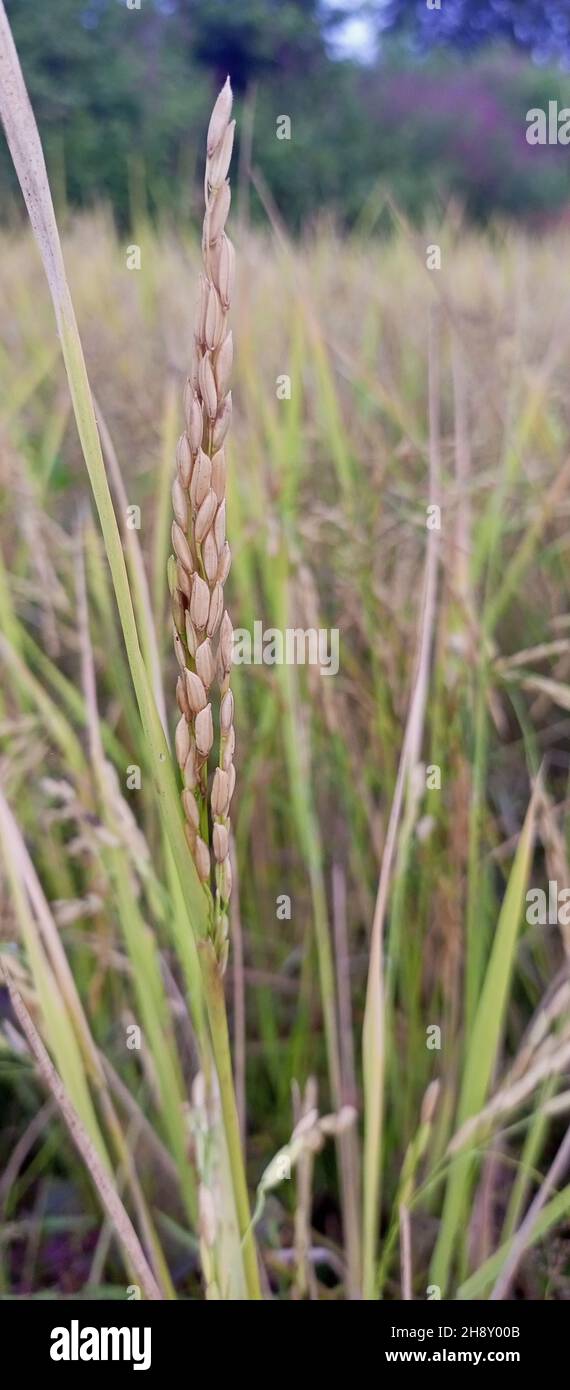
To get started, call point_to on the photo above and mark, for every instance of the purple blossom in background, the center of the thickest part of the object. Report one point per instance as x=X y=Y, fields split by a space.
x=542 y=27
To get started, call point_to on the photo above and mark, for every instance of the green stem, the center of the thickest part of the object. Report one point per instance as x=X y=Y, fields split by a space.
x=215 y=1003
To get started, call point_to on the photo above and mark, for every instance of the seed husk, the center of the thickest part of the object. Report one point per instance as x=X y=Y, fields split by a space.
x=220 y=842
x=210 y=557
x=201 y=476
x=184 y=580
x=208 y=386
x=205 y=664
x=222 y=422
x=182 y=698
x=194 y=424
x=200 y=603
x=204 y=294
x=202 y=859
x=178 y=612
x=205 y=516
x=219 y=210
x=195 y=692
x=219 y=470
x=227 y=713
x=191 y=638
x=224 y=563
x=226 y=641
x=219 y=118
x=215 y=610
x=204 y=730
x=224 y=873
x=226 y=271
x=179 y=652
x=184 y=460
x=190 y=808
x=190 y=773
x=220 y=792
x=214 y=326
x=231 y=775
x=224 y=362
x=229 y=750
x=182 y=741
x=220 y=526
x=180 y=503
x=181 y=547
x=220 y=161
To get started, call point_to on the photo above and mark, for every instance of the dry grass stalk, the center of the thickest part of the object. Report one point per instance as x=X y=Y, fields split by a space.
x=403 y=808
x=406 y=1253
x=203 y=634
x=557 y=1171
x=305 y=1280
x=111 y=1202
x=553 y=1064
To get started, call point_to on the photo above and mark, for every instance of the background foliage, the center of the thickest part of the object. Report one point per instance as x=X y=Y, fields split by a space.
x=437 y=113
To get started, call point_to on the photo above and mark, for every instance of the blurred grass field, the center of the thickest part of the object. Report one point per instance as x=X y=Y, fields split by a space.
x=401 y=380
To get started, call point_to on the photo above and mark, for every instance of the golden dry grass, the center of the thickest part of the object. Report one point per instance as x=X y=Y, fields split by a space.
x=328 y=491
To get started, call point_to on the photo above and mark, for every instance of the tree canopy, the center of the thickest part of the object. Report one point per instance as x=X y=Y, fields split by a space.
x=121 y=95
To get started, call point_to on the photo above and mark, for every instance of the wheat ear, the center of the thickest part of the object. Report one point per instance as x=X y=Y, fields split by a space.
x=198 y=569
